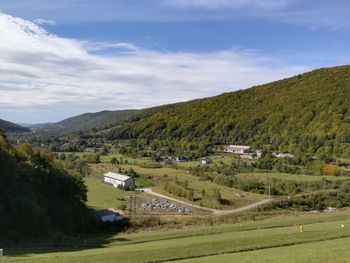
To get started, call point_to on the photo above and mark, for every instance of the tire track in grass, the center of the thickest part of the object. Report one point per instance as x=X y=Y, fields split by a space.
x=249 y=249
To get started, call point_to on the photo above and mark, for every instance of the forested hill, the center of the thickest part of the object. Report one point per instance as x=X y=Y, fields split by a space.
x=95 y=120
x=12 y=127
x=38 y=199
x=87 y=121
x=308 y=112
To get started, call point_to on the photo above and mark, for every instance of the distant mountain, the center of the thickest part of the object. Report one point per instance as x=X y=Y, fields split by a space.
x=308 y=113
x=86 y=121
x=12 y=127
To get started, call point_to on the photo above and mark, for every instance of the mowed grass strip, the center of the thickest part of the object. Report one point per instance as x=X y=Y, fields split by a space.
x=228 y=239
x=336 y=251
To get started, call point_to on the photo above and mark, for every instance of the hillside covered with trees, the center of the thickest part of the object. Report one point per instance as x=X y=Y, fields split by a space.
x=308 y=113
x=87 y=121
x=38 y=199
x=12 y=127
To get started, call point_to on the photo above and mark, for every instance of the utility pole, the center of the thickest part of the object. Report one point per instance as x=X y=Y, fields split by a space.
x=192 y=206
x=134 y=204
x=130 y=205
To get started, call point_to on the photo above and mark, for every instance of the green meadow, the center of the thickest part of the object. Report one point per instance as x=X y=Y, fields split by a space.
x=273 y=240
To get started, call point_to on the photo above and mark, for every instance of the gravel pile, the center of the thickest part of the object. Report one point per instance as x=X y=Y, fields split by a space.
x=161 y=204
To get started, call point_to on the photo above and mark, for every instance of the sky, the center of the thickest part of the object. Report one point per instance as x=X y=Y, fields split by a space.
x=63 y=58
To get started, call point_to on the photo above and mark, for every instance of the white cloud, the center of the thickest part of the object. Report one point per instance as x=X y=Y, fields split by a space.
x=41 y=21
x=46 y=77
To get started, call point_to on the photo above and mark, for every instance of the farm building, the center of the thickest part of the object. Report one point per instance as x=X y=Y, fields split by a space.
x=108 y=215
x=118 y=180
x=283 y=155
x=181 y=159
x=239 y=149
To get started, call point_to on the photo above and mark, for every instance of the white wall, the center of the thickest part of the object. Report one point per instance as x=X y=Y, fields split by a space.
x=113 y=182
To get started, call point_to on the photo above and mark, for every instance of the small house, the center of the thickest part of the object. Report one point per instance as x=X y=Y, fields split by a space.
x=181 y=159
x=283 y=155
x=108 y=215
x=118 y=180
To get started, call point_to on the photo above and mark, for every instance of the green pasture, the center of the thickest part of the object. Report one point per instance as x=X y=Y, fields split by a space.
x=273 y=240
x=194 y=183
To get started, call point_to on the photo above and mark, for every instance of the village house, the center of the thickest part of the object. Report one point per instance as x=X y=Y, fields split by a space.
x=239 y=149
x=108 y=215
x=283 y=155
x=181 y=159
x=118 y=180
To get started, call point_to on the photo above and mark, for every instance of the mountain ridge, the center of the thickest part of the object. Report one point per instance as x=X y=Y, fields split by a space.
x=8 y=126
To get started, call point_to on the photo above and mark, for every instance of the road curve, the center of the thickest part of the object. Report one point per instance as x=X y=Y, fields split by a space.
x=214 y=211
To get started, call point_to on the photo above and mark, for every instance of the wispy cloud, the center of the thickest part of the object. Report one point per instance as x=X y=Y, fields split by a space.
x=302 y=12
x=47 y=77
x=41 y=21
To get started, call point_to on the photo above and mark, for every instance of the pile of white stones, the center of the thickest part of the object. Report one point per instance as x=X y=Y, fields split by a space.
x=161 y=204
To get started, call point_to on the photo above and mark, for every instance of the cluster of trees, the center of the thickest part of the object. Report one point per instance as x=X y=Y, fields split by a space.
x=318 y=201
x=239 y=175
x=39 y=199
x=179 y=189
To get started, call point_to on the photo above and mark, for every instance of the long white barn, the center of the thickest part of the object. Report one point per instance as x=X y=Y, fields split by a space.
x=116 y=180
x=240 y=149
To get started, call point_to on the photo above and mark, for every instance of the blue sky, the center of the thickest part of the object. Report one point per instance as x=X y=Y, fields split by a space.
x=62 y=58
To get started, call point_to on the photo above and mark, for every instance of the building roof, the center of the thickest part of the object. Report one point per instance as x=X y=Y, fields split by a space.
x=116 y=176
x=106 y=212
x=240 y=147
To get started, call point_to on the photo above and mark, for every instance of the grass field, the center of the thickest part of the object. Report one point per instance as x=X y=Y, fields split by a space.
x=103 y=196
x=273 y=240
x=293 y=177
x=194 y=182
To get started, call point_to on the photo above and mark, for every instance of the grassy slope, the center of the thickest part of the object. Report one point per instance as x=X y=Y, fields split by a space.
x=104 y=196
x=323 y=251
x=194 y=183
x=202 y=242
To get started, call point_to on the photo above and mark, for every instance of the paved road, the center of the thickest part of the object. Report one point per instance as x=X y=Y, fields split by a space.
x=214 y=211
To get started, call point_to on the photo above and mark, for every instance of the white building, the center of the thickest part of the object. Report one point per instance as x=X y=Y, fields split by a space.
x=206 y=160
x=116 y=180
x=108 y=215
x=283 y=155
x=239 y=149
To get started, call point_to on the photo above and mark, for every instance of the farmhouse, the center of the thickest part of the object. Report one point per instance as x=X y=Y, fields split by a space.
x=239 y=149
x=118 y=180
x=108 y=215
